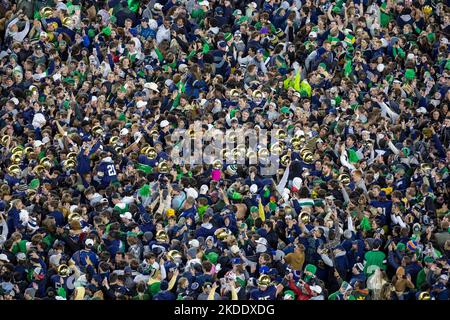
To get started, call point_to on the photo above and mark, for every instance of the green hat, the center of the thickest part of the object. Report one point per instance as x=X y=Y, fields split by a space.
x=401 y=246
x=228 y=36
x=428 y=259
x=311 y=268
x=431 y=37
x=406 y=151
x=254 y=209
x=145 y=168
x=236 y=196
x=212 y=257
x=290 y=293
x=91 y=33
x=272 y=206
x=237 y=12
x=106 y=31
x=285 y=110
x=410 y=74
x=323 y=65
x=34 y=184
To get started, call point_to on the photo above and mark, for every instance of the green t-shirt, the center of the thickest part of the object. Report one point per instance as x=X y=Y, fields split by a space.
x=141 y=297
x=384 y=17
x=374 y=258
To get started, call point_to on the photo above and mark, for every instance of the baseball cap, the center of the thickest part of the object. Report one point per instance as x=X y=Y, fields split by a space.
x=37 y=143
x=126 y=215
x=262 y=241
x=164 y=123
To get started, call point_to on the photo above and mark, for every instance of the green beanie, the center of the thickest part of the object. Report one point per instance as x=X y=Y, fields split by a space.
x=311 y=268
x=401 y=246
x=34 y=184
x=410 y=74
x=106 y=31
x=228 y=36
x=212 y=257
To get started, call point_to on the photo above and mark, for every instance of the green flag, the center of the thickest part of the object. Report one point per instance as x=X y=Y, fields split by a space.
x=365 y=224
x=348 y=68
x=159 y=54
x=144 y=191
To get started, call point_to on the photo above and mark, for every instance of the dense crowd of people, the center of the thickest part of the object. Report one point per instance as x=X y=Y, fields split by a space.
x=94 y=207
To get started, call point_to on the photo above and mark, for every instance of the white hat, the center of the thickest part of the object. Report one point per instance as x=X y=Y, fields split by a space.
x=37 y=143
x=297 y=182
x=126 y=215
x=194 y=243
x=4 y=257
x=234 y=249
x=15 y=101
x=94 y=98
x=444 y=40
x=410 y=56
x=313 y=34
x=253 y=188
x=89 y=242
x=43 y=34
x=164 y=123
x=252 y=5
x=182 y=67
x=124 y=132
x=380 y=67
x=422 y=110
x=204 y=189
x=39 y=120
x=152 y=86
x=191 y=192
x=262 y=241
x=316 y=289
x=158 y=6
x=204 y=3
x=141 y=104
